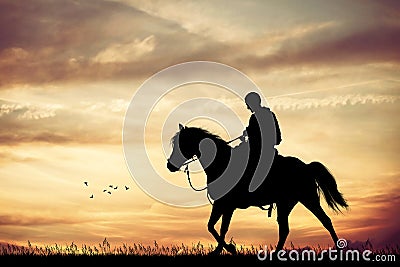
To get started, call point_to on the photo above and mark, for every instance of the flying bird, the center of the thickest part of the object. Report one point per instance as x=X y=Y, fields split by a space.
x=105 y=190
x=86 y=183
x=111 y=186
x=91 y=196
x=109 y=192
x=126 y=188
x=116 y=187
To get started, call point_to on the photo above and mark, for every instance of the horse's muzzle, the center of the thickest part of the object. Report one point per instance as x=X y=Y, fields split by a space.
x=171 y=167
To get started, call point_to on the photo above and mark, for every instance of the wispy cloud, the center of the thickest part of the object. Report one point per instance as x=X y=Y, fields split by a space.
x=24 y=220
x=33 y=136
x=114 y=105
x=126 y=52
x=30 y=111
x=83 y=122
x=7 y=157
x=209 y=20
x=291 y=103
x=376 y=44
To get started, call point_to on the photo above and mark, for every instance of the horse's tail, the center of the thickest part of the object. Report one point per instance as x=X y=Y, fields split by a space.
x=327 y=185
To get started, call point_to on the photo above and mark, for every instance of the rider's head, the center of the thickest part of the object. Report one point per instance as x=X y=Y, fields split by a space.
x=253 y=101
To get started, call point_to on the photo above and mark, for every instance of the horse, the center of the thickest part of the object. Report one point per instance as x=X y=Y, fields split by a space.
x=290 y=182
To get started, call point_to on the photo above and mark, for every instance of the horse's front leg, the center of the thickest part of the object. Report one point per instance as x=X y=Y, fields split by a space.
x=226 y=214
x=216 y=213
x=226 y=220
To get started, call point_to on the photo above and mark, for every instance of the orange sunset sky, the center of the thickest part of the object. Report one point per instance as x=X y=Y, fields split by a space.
x=69 y=69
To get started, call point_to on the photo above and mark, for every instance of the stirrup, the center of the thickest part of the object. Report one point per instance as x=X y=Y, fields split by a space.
x=269 y=209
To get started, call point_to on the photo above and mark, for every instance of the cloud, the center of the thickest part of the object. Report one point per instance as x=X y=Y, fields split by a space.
x=204 y=19
x=9 y=108
x=114 y=105
x=290 y=103
x=13 y=55
x=380 y=43
x=80 y=40
x=29 y=111
x=24 y=220
x=85 y=122
x=374 y=217
x=132 y=51
x=29 y=137
x=105 y=40
x=7 y=157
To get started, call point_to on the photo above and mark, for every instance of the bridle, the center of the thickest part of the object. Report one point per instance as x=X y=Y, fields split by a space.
x=186 y=170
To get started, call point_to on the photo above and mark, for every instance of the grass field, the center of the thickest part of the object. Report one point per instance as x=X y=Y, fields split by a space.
x=196 y=253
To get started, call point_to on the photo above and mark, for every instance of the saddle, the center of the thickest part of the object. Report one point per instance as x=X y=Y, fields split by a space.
x=265 y=194
x=239 y=174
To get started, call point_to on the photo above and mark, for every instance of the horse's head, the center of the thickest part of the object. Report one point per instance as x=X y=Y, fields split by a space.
x=184 y=147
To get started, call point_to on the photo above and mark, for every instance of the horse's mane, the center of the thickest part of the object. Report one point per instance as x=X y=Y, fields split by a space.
x=198 y=132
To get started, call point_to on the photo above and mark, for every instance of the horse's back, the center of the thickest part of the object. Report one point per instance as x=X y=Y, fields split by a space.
x=285 y=179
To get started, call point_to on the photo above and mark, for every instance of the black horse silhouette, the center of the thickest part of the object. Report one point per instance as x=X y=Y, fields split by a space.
x=289 y=181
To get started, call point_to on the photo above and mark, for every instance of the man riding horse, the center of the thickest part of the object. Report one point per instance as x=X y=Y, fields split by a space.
x=298 y=182
x=263 y=134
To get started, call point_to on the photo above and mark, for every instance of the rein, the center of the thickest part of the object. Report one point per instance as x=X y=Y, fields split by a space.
x=188 y=174
x=190 y=183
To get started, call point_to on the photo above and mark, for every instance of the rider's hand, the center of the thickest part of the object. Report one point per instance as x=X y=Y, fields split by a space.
x=243 y=137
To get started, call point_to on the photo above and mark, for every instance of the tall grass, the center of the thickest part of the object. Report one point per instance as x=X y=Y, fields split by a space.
x=138 y=249
x=104 y=248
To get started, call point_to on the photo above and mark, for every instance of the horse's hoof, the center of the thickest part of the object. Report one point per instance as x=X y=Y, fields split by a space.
x=231 y=249
x=217 y=251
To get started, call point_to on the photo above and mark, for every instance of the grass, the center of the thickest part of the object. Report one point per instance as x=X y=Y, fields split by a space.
x=104 y=253
x=105 y=249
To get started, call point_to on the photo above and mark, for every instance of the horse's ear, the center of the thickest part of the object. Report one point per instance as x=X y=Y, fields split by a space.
x=181 y=126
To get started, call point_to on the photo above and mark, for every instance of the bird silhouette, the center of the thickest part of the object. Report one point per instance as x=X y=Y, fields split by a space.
x=91 y=196
x=116 y=187
x=126 y=188
x=109 y=192
x=111 y=186
x=105 y=190
x=86 y=183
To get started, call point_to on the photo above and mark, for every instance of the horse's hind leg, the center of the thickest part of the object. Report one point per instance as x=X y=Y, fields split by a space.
x=316 y=209
x=283 y=210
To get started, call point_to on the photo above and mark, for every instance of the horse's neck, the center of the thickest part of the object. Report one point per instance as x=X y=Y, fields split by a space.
x=220 y=162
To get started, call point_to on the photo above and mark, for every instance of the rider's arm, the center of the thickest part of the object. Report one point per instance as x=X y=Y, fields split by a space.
x=252 y=127
x=277 y=129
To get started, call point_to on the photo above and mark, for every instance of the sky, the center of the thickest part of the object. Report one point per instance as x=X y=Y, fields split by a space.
x=70 y=69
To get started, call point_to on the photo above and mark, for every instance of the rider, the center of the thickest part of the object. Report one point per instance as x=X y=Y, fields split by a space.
x=263 y=134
